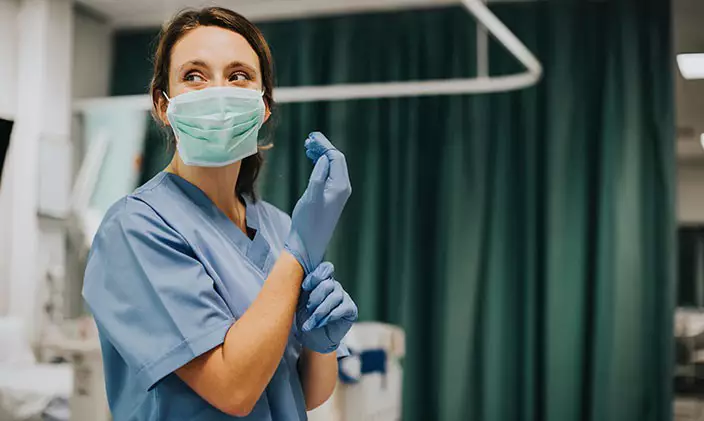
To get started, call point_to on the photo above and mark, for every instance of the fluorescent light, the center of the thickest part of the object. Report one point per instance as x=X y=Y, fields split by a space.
x=691 y=65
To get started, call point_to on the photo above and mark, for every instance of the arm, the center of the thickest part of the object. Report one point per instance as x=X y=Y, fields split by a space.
x=233 y=376
x=318 y=375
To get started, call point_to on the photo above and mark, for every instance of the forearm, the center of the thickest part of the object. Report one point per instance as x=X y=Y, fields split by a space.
x=318 y=376
x=254 y=345
x=233 y=376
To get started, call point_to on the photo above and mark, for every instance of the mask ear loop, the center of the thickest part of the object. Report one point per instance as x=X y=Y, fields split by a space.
x=169 y=101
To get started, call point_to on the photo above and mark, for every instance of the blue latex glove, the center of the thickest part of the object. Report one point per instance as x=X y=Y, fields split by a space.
x=325 y=311
x=316 y=214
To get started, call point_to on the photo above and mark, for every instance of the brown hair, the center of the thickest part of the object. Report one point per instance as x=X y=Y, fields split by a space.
x=184 y=22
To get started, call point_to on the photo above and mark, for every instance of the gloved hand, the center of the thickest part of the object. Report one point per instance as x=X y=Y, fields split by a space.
x=316 y=214
x=325 y=311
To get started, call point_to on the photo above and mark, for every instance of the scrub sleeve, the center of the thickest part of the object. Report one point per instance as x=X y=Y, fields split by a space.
x=151 y=297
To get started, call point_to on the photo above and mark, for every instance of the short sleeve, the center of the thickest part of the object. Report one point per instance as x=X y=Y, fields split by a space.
x=342 y=351
x=151 y=299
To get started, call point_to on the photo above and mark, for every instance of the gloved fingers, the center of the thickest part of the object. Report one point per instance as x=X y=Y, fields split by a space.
x=324 y=271
x=312 y=155
x=331 y=301
x=302 y=300
x=347 y=310
x=321 y=170
x=338 y=168
x=317 y=145
x=320 y=293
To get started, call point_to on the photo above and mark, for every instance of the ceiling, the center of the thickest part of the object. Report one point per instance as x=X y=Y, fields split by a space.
x=149 y=13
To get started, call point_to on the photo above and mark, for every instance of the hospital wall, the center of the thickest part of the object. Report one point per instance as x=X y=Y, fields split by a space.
x=8 y=75
x=92 y=56
x=37 y=65
x=690 y=201
x=76 y=43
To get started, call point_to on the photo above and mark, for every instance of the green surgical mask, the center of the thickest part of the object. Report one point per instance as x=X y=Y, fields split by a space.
x=217 y=126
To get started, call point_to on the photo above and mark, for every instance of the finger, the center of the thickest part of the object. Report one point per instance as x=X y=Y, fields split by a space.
x=320 y=293
x=331 y=301
x=345 y=311
x=338 y=166
x=313 y=156
x=321 y=170
x=317 y=145
x=324 y=271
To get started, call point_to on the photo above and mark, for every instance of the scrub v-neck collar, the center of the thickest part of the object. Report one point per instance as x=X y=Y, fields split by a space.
x=256 y=249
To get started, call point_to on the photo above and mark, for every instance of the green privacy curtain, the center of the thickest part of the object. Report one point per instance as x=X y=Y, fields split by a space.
x=524 y=240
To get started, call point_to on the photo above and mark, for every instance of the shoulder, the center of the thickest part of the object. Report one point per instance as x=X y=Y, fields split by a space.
x=130 y=211
x=132 y=235
x=131 y=221
x=139 y=208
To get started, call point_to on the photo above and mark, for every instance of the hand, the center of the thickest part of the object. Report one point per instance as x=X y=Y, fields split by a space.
x=325 y=311
x=316 y=214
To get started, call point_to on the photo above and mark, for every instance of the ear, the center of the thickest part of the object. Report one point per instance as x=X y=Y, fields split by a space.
x=267 y=114
x=161 y=105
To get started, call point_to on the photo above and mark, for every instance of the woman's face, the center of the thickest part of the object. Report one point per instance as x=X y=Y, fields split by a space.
x=210 y=56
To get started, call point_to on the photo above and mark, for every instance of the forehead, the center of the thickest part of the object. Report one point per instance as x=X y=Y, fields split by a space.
x=215 y=46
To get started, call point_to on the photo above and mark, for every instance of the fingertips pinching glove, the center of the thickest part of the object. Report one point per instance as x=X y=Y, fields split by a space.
x=318 y=210
x=325 y=311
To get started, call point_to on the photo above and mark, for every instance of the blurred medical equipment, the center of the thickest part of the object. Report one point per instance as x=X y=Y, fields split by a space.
x=75 y=389
x=689 y=364
x=371 y=378
x=78 y=343
x=85 y=219
x=30 y=391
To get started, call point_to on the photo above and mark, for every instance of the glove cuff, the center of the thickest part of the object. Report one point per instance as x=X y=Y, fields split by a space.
x=294 y=239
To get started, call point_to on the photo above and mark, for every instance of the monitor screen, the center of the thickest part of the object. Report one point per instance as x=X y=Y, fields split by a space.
x=5 y=130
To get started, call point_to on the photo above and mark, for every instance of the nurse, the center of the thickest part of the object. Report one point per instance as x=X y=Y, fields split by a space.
x=211 y=304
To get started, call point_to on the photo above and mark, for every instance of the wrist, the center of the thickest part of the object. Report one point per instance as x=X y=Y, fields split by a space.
x=293 y=246
x=294 y=265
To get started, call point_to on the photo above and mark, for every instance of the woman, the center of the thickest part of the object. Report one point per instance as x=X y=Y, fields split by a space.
x=211 y=304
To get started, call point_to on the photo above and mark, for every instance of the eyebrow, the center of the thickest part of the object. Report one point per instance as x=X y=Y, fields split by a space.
x=241 y=64
x=197 y=63
x=201 y=63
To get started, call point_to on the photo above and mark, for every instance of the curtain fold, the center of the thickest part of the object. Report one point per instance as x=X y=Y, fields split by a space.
x=524 y=240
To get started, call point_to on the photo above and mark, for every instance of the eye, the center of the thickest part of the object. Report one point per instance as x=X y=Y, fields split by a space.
x=239 y=77
x=194 y=77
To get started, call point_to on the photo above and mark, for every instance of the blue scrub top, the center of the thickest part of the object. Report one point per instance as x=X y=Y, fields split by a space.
x=167 y=276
